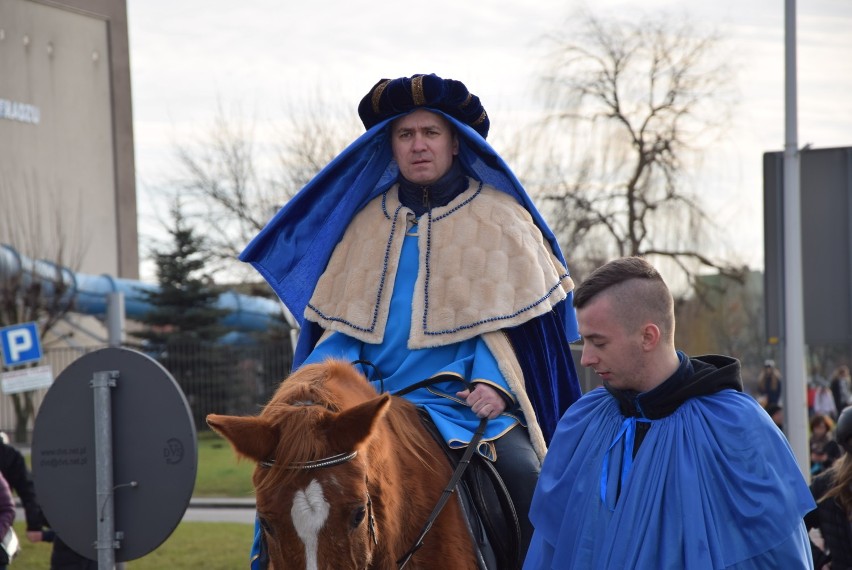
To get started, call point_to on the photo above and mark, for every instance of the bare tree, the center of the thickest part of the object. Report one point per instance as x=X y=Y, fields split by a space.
x=240 y=181
x=36 y=255
x=725 y=316
x=631 y=104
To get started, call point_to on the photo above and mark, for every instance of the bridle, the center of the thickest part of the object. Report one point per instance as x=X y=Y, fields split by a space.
x=331 y=461
x=462 y=466
x=316 y=463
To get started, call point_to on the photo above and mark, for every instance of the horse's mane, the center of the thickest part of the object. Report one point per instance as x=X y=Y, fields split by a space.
x=405 y=422
x=305 y=403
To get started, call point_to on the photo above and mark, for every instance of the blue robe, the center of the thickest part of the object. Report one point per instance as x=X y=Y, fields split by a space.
x=713 y=485
x=399 y=367
x=292 y=251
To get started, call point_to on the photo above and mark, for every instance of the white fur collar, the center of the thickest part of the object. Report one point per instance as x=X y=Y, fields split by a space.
x=483 y=266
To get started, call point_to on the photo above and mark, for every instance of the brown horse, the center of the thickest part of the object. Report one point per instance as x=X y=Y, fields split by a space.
x=346 y=478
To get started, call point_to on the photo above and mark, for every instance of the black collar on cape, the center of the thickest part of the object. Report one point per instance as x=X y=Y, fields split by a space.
x=699 y=376
x=420 y=199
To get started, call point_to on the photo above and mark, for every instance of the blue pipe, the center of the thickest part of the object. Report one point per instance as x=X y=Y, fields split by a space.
x=87 y=294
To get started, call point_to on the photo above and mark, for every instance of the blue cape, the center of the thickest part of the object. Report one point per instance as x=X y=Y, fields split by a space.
x=291 y=252
x=713 y=485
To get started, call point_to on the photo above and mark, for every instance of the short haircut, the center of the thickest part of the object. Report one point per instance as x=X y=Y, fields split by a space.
x=638 y=291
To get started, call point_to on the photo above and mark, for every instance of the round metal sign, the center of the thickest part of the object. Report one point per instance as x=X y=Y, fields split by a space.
x=155 y=454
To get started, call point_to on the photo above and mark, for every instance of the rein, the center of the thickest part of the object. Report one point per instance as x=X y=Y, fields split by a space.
x=462 y=466
x=448 y=490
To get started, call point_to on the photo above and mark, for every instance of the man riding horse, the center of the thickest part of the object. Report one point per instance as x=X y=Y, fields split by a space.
x=418 y=250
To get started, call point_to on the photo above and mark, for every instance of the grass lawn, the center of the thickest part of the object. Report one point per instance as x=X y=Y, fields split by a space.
x=220 y=473
x=193 y=545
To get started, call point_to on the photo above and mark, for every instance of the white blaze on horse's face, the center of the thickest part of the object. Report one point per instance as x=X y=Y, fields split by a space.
x=309 y=513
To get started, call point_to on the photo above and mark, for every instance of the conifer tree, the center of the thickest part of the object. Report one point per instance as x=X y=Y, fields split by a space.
x=184 y=322
x=183 y=308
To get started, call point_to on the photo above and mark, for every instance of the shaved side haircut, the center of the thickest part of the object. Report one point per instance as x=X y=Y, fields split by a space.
x=638 y=292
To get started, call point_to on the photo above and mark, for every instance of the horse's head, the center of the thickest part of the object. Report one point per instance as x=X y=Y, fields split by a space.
x=312 y=447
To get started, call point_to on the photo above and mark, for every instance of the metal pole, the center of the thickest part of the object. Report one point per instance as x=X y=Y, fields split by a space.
x=106 y=543
x=115 y=319
x=795 y=373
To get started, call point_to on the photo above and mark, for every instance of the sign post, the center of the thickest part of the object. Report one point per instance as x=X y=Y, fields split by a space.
x=114 y=455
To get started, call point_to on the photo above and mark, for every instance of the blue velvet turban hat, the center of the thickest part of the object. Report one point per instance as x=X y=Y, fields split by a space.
x=392 y=97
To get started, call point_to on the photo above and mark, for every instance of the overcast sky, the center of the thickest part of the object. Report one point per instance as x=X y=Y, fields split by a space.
x=265 y=54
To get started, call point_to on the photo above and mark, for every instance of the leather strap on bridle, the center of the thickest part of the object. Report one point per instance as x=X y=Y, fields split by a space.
x=443 y=377
x=379 y=378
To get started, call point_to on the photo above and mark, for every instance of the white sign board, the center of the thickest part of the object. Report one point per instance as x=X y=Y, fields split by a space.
x=27 y=380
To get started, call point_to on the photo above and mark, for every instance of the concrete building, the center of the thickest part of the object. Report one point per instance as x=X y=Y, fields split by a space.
x=67 y=180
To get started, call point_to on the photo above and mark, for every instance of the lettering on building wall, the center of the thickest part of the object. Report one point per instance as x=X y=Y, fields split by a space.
x=16 y=111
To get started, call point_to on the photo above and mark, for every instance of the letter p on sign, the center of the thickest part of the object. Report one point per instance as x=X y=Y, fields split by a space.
x=20 y=344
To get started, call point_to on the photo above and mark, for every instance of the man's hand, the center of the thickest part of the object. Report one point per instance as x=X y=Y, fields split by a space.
x=484 y=400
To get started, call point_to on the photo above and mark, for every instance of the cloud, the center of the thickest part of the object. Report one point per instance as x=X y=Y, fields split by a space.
x=189 y=56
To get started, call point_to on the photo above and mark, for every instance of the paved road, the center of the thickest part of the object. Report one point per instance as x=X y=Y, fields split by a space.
x=220 y=510
x=205 y=510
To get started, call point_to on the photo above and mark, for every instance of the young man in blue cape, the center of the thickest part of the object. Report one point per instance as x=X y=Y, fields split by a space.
x=418 y=250
x=669 y=464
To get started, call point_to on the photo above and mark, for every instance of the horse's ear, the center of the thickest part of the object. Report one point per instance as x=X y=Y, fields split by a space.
x=353 y=426
x=251 y=436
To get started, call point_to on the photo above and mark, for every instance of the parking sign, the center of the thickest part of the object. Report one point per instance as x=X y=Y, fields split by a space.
x=20 y=344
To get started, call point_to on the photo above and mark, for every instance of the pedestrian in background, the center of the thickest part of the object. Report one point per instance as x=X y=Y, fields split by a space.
x=769 y=384
x=841 y=387
x=13 y=467
x=833 y=493
x=776 y=413
x=14 y=470
x=824 y=450
x=824 y=400
x=7 y=517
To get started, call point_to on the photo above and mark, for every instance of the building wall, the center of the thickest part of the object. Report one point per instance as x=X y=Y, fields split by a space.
x=66 y=137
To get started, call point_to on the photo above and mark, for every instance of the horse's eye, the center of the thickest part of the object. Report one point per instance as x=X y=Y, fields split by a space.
x=358 y=515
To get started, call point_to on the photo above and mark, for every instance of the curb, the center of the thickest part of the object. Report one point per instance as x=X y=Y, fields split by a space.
x=222 y=503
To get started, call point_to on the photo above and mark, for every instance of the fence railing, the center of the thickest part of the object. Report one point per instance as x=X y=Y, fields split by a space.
x=222 y=379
